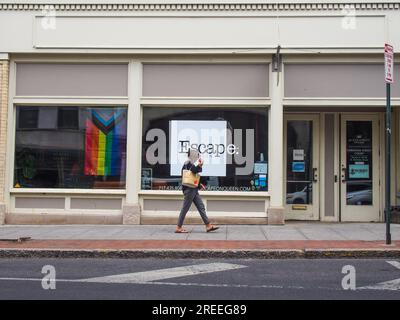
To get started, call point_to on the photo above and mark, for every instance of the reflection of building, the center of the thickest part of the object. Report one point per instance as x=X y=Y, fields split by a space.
x=317 y=118
x=54 y=147
x=46 y=146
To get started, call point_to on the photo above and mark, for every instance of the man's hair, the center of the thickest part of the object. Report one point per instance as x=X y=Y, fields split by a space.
x=195 y=152
x=192 y=149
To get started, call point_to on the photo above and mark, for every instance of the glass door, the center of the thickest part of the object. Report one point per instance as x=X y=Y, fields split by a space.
x=301 y=174
x=359 y=168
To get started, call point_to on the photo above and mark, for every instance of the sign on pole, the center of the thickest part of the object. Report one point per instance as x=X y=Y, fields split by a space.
x=388 y=63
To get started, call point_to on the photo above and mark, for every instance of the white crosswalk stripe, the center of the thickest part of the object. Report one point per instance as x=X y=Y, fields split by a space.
x=162 y=274
x=395 y=264
x=393 y=285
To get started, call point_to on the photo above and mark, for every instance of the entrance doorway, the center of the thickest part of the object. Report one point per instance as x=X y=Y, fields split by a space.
x=302 y=164
x=359 y=165
x=337 y=174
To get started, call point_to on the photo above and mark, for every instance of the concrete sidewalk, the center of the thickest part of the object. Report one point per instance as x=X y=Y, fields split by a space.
x=290 y=231
x=295 y=239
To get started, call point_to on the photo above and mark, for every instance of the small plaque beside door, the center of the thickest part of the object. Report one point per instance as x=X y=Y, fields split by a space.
x=299 y=207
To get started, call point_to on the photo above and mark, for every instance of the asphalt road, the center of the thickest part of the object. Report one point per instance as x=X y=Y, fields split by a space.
x=198 y=279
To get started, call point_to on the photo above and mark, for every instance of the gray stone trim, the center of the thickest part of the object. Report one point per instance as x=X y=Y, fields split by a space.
x=2 y=213
x=203 y=6
x=131 y=213
x=276 y=215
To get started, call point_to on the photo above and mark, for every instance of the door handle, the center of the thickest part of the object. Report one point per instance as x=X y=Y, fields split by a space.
x=315 y=175
x=344 y=174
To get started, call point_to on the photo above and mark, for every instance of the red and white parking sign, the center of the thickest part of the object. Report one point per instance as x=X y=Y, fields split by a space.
x=388 y=63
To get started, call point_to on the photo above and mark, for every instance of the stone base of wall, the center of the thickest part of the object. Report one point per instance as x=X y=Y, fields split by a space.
x=276 y=215
x=131 y=213
x=197 y=220
x=27 y=218
x=395 y=217
x=2 y=213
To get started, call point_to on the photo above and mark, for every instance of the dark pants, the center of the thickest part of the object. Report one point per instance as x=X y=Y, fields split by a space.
x=192 y=196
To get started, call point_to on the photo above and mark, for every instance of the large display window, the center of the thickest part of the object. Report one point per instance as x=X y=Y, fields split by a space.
x=70 y=147
x=233 y=143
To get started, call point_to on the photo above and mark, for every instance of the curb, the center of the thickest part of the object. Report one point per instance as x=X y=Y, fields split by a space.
x=351 y=253
x=202 y=253
x=151 y=253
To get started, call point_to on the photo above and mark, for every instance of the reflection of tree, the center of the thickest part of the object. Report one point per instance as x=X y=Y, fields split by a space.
x=27 y=162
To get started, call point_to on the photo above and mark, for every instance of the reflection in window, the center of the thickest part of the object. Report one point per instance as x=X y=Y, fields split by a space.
x=299 y=162
x=28 y=118
x=68 y=118
x=70 y=147
x=359 y=163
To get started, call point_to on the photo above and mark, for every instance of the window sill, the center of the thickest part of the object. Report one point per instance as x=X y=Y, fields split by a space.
x=67 y=191
x=256 y=194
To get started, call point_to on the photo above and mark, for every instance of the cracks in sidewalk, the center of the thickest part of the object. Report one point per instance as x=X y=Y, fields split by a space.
x=301 y=232
x=341 y=235
x=264 y=232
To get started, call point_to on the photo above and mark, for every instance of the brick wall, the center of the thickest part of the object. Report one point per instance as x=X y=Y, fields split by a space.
x=4 y=76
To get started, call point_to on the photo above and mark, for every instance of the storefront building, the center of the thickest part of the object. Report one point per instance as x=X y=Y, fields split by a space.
x=100 y=101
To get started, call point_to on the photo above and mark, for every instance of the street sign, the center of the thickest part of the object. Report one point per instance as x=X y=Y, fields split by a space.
x=388 y=63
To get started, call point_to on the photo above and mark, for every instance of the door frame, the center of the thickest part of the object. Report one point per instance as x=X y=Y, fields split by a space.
x=376 y=160
x=336 y=166
x=312 y=212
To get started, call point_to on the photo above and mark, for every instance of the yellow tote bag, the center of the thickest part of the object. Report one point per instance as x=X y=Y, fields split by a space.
x=189 y=179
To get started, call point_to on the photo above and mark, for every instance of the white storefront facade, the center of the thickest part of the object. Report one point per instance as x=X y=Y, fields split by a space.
x=99 y=101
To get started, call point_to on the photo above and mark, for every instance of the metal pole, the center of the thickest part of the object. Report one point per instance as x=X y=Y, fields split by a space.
x=387 y=165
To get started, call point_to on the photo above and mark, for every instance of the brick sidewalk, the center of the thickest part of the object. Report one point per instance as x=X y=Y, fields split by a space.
x=195 y=244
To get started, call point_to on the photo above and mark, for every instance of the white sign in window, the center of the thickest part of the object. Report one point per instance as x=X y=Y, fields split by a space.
x=209 y=137
x=298 y=154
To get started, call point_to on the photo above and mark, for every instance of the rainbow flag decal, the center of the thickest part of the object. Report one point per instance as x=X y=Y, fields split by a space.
x=105 y=142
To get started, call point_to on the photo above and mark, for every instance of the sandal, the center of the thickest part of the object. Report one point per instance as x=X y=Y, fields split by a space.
x=213 y=228
x=181 y=231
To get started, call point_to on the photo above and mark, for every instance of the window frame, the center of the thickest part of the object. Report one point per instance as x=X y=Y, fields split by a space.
x=237 y=103
x=51 y=101
x=13 y=189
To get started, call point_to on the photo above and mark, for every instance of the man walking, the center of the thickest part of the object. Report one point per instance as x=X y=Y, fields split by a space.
x=191 y=194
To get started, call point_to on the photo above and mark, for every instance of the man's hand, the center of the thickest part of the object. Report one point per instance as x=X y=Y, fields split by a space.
x=200 y=162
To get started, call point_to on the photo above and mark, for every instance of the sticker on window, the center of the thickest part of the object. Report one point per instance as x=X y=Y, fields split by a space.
x=359 y=171
x=298 y=167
